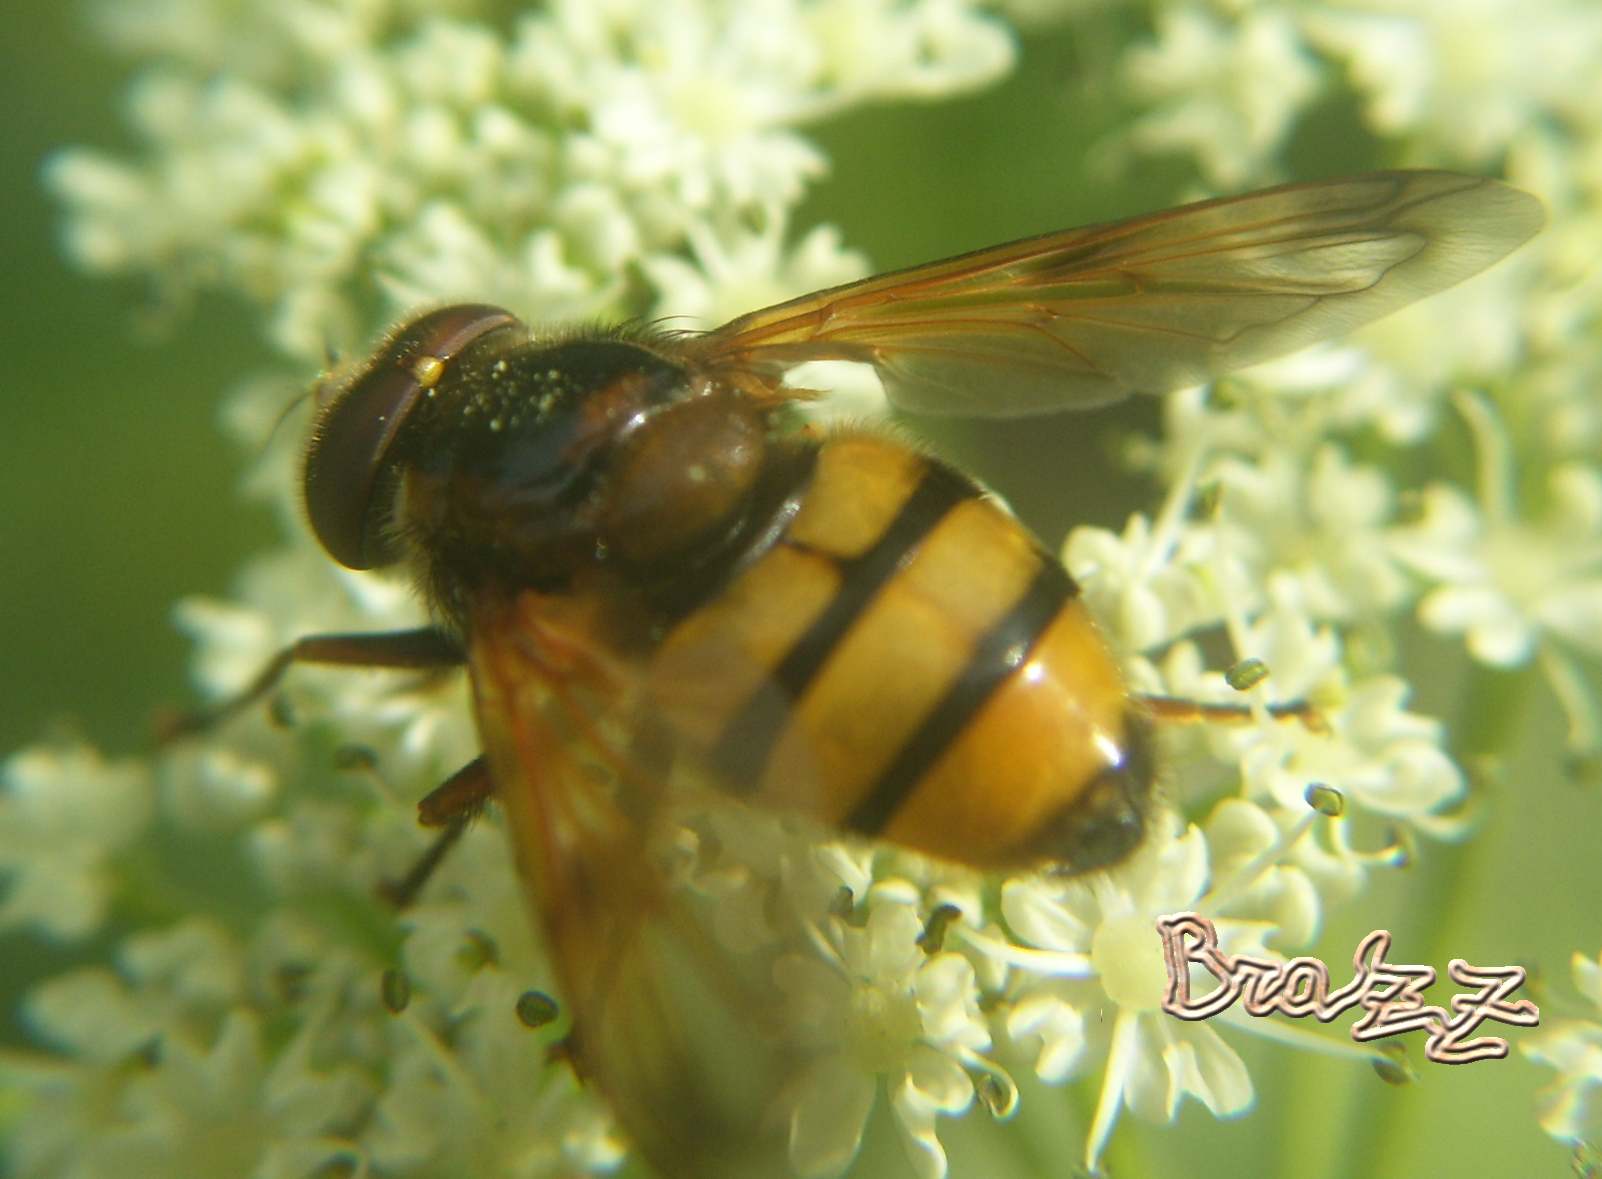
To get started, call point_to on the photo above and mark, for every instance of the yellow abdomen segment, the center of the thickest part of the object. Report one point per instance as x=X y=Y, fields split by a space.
x=907 y=662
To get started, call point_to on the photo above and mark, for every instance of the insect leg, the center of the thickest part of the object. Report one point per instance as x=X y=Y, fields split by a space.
x=1183 y=711
x=461 y=796
x=422 y=649
x=450 y=807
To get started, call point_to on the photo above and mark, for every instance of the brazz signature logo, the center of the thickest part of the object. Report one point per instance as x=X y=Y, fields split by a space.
x=1391 y=995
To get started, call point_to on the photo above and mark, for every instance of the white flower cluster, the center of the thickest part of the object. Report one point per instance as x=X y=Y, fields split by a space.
x=1449 y=84
x=338 y=161
x=343 y=162
x=1304 y=546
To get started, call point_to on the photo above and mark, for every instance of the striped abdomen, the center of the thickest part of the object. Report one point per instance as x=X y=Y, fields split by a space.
x=901 y=659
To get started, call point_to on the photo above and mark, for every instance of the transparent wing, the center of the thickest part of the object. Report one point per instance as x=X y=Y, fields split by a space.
x=680 y=1033
x=1083 y=317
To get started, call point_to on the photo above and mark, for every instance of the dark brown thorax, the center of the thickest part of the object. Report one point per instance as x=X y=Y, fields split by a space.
x=490 y=461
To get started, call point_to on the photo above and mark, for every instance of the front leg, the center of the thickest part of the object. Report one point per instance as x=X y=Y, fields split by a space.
x=427 y=648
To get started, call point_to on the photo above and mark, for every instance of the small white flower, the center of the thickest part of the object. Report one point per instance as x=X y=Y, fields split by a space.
x=1514 y=586
x=741 y=269
x=1503 y=583
x=445 y=255
x=479 y=1098
x=925 y=50
x=1570 y=1107
x=217 y=789
x=1152 y=582
x=1317 y=521
x=1260 y=874
x=208 y=1105
x=476 y=912
x=179 y=980
x=1223 y=87
x=881 y=1009
x=1457 y=75
x=65 y=815
x=1105 y=950
x=1402 y=388
x=1364 y=743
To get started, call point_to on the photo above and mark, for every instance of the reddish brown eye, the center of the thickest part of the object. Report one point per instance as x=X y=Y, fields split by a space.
x=350 y=462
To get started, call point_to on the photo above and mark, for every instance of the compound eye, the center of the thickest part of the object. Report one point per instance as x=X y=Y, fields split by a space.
x=350 y=463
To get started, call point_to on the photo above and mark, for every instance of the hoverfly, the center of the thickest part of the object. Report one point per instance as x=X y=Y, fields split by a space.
x=652 y=581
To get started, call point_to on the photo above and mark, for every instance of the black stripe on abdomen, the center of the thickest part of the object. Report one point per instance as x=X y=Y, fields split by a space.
x=742 y=752
x=998 y=654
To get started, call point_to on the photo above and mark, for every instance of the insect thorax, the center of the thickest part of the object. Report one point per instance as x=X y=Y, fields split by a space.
x=545 y=466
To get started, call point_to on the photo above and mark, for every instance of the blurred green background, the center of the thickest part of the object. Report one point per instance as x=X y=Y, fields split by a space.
x=117 y=495
x=119 y=498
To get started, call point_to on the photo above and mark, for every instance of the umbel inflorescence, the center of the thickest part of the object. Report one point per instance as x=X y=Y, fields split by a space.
x=336 y=165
